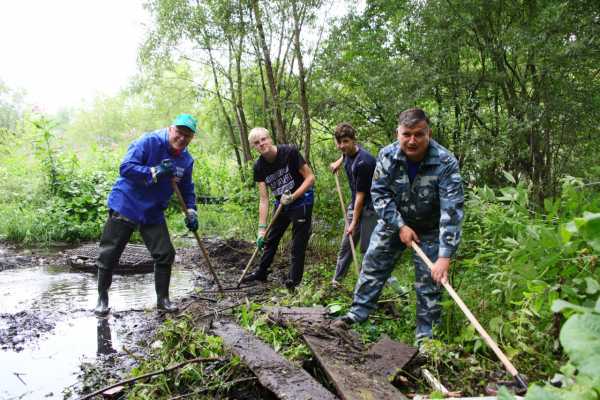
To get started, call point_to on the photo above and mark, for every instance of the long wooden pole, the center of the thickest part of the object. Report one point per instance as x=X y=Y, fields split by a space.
x=488 y=339
x=277 y=212
x=352 y=248
x=202 y=248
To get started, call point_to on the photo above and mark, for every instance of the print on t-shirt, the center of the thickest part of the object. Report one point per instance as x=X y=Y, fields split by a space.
x=280 y=181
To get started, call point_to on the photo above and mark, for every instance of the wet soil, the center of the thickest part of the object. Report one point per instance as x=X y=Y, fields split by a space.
x=46 y=317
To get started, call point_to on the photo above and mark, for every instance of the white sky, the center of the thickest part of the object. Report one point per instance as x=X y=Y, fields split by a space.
x=63 y=52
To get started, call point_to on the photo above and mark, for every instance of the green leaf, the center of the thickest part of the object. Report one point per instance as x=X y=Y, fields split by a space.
x=504 y=394
x=568 y=230
x=561 y=305
x=335 y=308
x=510 y=242
x=509 y=177
x=590 y=366
x=592 y=286
x=580 y=337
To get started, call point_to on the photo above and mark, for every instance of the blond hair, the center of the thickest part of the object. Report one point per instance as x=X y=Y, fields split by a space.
x=255 y=132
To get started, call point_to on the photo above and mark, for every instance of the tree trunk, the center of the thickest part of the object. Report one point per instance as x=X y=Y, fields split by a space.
x=239 y=87
x=224 y=111
x=236 y=97
x=279 y=127
x=303 y=97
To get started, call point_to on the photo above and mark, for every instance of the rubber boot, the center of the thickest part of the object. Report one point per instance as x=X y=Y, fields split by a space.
x=104 y=281
x=162 y=278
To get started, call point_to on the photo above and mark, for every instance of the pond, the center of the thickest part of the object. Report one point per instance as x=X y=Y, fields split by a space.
x=48 y=329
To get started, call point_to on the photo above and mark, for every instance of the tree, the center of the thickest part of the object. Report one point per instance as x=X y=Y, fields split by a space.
x=510 y=85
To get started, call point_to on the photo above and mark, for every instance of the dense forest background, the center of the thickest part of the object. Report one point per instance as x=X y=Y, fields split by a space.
x=512 y=88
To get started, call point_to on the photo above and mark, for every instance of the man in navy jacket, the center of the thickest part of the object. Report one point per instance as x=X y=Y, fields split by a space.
x=138 y=200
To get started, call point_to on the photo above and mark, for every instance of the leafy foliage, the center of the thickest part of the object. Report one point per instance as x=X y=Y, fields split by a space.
x=177 y=341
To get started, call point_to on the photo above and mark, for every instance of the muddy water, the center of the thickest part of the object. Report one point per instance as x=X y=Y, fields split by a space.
x=49 y=329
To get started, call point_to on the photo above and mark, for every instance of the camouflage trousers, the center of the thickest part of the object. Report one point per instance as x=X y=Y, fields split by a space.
x=384 y=251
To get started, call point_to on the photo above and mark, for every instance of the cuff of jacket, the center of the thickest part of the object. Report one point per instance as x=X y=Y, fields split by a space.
x=446 y=252
x=396 y=222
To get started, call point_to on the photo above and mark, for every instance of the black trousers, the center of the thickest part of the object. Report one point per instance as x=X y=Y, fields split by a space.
x=116 y=235
x=301 y=219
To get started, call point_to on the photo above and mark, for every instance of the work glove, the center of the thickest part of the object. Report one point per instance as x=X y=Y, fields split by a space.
x=260 y=238
x=287 y=198
x=260 y=242
x=191 y=220
x=165 y=168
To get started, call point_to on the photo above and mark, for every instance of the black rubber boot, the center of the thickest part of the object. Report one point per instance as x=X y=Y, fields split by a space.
x=162 y=278
x=104 y=281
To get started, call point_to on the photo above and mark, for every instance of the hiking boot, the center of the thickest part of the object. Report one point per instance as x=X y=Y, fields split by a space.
x=342 y=322
x=336 y=284
x=255 y=276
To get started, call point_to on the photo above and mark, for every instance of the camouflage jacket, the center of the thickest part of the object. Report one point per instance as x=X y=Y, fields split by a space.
x=434 y=201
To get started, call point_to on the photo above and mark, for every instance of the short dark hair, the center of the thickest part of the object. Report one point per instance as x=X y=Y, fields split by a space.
x=344 y=130
x=412 y=117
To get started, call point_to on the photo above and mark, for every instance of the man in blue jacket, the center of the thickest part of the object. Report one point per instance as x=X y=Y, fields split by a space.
x=138 y=200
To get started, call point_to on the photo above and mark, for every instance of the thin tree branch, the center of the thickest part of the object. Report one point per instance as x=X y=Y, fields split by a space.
x=150 y=374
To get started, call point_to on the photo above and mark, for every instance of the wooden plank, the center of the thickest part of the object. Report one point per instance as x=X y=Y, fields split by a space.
x=387 y=357
x=274 y=372
x=296 y=315
x=356 y=373
x=426 y=397
x=344 y=365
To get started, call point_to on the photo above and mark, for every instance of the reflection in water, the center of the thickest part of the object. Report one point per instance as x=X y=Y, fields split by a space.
x=58 y=289
x=105 y=345
x=51 y=363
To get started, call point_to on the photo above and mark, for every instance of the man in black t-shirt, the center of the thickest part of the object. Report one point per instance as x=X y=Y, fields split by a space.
x=291 y=180
x=359 y=165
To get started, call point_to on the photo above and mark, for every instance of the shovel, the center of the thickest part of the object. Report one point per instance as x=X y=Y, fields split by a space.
x=204 y=252
x=339 y=190
x=277 y=212
x=488 y=339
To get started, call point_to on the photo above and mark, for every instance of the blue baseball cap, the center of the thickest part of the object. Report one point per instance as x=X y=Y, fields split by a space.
x=186 y=120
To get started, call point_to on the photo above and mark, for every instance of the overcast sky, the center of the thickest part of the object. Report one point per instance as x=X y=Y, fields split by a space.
x=63 y=52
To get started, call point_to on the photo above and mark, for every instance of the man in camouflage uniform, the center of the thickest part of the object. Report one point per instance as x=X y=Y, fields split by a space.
x=418 y=196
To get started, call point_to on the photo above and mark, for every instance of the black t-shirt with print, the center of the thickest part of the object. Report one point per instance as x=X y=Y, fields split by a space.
x=283 y=173
x=359 y=170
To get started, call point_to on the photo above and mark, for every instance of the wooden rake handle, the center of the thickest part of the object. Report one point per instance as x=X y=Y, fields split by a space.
x=488 y=339
x=202 y=248
x=352 y=248
x=277 y=212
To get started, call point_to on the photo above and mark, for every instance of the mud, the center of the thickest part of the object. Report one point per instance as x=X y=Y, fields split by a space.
x=17 y=329
x=46 y=316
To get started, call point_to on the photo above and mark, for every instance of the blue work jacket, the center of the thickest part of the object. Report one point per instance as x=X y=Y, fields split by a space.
x=134 y=194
